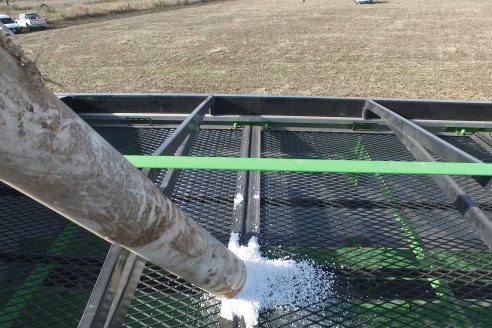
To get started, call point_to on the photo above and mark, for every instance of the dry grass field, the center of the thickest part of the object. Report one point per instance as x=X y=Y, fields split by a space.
x=58 y=12
x=430 y=49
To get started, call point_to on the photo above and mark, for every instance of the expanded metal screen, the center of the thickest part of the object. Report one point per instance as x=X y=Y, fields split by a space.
x=48 y=266
x=397 y=251
x=135 y=140
x=400 y=254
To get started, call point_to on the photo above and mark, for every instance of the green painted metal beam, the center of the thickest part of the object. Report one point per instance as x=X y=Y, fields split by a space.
x=310 y=165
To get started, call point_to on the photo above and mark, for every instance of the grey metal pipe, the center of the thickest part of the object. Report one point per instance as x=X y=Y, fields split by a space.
x=53 y=156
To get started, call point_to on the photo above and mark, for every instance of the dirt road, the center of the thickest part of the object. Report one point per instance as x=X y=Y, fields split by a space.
x=430 y=49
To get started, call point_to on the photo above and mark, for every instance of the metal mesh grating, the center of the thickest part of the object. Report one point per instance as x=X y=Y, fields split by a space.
x=311 y=144
x=401 y=254
x=48 y=266
x=137 y=141
x=467 y=144
x=133 y=140
x=46 y=270
x=471 y=187
x=162 y=299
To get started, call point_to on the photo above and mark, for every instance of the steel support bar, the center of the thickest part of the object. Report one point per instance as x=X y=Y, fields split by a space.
x=250 y=205
x=174 y=141
x=122 y=269
x=252 y=227
x=438 y=146
x=157 y=119
x=191 y=123
x=130 y=276
x=172 y=175
x=241 y=198
x=441 y=148
x=484 y=142
x=479 y=221
x=485 y=137
x=98 y=306
x=241 y=195
x=415 y=139
x=120 y=272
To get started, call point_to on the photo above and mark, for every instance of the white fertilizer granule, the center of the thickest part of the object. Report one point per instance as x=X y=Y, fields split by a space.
x=273 y=283
x=238 y=199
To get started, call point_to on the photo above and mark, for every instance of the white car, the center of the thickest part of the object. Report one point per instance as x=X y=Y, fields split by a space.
x=10 y=24
x=363 y=1
x=31 y=21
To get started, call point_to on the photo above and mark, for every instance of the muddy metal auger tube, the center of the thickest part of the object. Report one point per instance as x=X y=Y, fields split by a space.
x=53 y=156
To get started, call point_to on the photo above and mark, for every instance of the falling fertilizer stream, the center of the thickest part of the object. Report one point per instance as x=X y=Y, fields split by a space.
x=273 y=283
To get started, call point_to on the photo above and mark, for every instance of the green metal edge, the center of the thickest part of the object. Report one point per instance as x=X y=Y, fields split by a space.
x=310 y=165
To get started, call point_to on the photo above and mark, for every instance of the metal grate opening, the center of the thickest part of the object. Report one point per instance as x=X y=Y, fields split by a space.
x=162 y=299
x=400 y=254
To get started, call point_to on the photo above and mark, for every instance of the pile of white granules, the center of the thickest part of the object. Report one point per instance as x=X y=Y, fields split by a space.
x=273 y=283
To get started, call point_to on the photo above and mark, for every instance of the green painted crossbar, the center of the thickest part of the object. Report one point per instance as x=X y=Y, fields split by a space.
x=310 y=165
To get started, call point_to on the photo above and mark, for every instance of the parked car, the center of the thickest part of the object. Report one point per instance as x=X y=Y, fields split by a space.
x=363 y=1
x=31 y=21
x=6 y=29
x=10 y=24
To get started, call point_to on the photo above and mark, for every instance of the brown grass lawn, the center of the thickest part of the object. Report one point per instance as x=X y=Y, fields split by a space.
x=433 y=49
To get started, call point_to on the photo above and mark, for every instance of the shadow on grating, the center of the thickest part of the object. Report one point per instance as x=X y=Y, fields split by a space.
x=471 y=187
x=48 y=266
x=208 y=196
x=162 y=299
x=134 y=140
x=401 y=255
x=467 y=144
